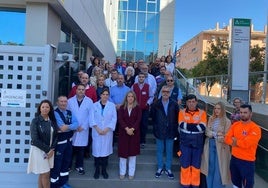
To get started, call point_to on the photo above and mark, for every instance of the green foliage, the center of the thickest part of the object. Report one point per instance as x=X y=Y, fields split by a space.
x=215 y=63
x=257 y=58
x=10 y=43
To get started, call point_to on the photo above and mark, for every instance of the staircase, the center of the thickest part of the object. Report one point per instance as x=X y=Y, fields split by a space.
x=144 y=175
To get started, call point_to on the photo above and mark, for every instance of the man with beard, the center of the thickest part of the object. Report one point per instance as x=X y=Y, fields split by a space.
x=243 y=137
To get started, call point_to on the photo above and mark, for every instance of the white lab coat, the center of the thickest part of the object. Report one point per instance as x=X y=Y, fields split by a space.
x=102 y=145
x=84 y=115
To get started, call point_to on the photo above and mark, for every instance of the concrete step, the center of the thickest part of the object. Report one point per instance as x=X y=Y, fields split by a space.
x=144 y=175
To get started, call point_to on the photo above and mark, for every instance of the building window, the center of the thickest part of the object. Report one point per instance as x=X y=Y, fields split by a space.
x=122 y=20
x=132 y=5
x=13 y=26
x=121 y=35
x=131 y=21
x=122 y=5
x=149 y=36
x=138 y=29
x=151 y=7
x=141 y=5
x=141 y=21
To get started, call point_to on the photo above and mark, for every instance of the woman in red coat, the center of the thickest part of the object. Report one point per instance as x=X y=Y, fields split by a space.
x=129 y=116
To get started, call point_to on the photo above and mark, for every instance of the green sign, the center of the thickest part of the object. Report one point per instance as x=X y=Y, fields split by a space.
x=241 y=22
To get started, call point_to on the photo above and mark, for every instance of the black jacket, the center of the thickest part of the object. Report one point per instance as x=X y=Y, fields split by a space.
x=40 y=134
x=165 y=126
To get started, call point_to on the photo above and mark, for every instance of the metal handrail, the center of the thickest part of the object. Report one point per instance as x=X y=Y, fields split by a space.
x=207 y=104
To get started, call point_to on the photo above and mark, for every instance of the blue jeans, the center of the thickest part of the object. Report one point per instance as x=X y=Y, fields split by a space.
x=214 y=176
x=168 y=145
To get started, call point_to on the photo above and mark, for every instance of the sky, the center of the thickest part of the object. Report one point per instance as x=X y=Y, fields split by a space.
x=191 y=17
x=194 y=16
x=6 y=22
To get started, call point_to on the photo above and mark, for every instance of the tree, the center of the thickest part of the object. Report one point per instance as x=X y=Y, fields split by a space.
x=215 y=63
x=257 y=58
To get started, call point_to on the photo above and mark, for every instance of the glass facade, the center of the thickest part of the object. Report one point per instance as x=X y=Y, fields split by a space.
x=12 y=23
x=138 y=29
x=68 y=72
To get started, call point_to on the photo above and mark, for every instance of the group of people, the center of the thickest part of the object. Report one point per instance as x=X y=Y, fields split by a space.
x=223 y=150
x=120 y=107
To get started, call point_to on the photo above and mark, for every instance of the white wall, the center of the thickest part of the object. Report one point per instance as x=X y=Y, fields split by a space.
x=90 y=17
x=166 y=27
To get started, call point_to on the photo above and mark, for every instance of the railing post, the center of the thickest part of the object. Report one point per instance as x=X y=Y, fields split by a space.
x=221 y=85
x=206 y=88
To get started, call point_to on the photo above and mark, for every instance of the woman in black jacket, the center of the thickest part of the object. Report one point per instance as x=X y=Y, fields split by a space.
x=43 y=141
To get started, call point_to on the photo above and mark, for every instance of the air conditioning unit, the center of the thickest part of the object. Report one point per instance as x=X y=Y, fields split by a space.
x=64 y=57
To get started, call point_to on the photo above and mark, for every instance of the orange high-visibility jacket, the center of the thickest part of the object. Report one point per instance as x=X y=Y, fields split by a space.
x=187 y=119
x=248 y=135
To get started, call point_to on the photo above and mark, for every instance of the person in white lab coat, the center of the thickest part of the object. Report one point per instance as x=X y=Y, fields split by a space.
x=81 y=106
x=105 y=118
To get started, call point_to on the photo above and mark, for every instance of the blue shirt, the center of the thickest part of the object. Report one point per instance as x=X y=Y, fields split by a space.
x=165 y=105
x=118 y=93
x=74 y=123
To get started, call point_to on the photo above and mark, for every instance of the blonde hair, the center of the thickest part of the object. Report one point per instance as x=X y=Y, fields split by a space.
x=96 y=69
x=222 y=115
x=125 y=100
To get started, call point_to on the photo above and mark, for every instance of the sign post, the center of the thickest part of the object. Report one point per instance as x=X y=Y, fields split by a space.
x=239 y=57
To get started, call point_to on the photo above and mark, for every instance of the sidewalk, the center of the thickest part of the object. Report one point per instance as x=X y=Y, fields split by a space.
x=24 y=180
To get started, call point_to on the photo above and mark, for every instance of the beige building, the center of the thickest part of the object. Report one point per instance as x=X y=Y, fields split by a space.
x=193 y=51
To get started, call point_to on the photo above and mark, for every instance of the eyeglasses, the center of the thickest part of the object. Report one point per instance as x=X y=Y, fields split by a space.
x=169 y=80
x=165 y=91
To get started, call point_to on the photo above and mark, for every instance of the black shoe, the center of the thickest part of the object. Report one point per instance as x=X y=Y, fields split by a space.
x=104 y=174
x=86 y=155
x=169 y=174
x=97 y=173
x=80 y=170
x=158 y=173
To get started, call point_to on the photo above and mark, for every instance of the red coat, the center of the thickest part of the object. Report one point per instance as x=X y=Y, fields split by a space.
x=90 y=92
x=142 y=95
x=129 y=145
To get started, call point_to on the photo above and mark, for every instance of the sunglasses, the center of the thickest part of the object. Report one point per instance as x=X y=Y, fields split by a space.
x=169 y=80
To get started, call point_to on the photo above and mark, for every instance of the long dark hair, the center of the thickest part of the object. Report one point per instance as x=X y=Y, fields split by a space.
x=51 y=114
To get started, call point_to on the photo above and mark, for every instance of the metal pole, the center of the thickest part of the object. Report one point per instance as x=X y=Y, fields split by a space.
x=221 y=85
x=265 y=67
